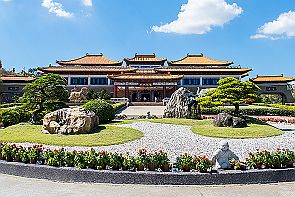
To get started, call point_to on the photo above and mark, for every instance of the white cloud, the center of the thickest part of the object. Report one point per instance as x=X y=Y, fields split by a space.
x=282 y=27
x=56 y=8
x=87 y=2
x=200 y=16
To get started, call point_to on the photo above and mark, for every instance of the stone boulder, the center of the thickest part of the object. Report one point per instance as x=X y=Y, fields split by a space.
x=179 y=104
x=70 y=121
x=227 y=120
x=239 y=122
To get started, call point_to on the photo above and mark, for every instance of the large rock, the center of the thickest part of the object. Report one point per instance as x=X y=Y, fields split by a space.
x=70 y=121
x=239 y=122
x=180 y=104
x=227 y=120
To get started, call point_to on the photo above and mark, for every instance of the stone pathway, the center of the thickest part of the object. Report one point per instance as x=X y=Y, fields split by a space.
x=177 y=139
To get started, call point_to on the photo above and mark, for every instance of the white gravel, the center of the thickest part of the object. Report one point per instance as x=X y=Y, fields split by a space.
x=177 y=139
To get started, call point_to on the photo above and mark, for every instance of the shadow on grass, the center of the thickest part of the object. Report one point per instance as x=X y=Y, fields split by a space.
x=255 y=121
x=97 y=130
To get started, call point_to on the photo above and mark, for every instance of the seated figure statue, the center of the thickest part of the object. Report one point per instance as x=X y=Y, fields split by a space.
x=222 y=156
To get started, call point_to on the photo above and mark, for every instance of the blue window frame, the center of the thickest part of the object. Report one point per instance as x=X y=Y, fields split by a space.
x=99 y=81
x=210 y=81
x=79 y=81
x=191 y=81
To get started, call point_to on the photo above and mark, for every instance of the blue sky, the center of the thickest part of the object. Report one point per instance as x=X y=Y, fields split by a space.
x=255 y=33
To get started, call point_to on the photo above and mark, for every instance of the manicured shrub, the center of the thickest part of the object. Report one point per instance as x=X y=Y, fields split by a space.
x=118 y=106
x=14 y=116
x=102 y=109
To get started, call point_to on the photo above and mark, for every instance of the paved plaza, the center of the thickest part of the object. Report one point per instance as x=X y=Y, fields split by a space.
x=142 y=110
x=12 y=186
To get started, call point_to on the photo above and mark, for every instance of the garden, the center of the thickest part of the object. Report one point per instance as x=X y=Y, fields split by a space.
x=148 y=143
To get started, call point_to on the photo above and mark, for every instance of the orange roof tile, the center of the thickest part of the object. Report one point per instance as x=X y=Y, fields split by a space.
x=130 y=76
x=85 y=69
x=17 y=78
x=88 y=59
x=145 y=58
x=277 y=78
x=198 y=60
x=194 y=69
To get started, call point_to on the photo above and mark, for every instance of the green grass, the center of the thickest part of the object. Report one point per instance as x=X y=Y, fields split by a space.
x=206 y=128
x=103 y=136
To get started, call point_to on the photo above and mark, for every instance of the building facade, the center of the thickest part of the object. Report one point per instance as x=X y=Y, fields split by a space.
x=278 y=84
x=11 y=86
x=144 y=77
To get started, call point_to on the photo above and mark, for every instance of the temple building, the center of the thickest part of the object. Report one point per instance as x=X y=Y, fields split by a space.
x=144 y=77
x=12 y=86
x=278 y=84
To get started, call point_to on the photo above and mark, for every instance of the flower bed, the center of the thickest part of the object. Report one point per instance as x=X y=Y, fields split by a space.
x=142 y=161
x=277 y=119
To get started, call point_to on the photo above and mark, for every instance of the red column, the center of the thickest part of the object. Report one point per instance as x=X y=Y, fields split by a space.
x=164 y=92
x=115 y=91
x=126 y=92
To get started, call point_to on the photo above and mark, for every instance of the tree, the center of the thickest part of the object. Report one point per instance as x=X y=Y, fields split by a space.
x=231 y=91
x=46 y=93
x=103 y=94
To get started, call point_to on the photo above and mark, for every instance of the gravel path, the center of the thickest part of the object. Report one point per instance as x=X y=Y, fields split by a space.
x=177 y=139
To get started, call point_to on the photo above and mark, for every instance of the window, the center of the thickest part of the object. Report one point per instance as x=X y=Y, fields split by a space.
x=210 y=81
x=79 y=81
x=191 y=81
x=13 y=88
x=99 y=81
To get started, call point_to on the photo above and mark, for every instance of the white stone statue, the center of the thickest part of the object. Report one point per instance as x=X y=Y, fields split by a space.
x=222 y=156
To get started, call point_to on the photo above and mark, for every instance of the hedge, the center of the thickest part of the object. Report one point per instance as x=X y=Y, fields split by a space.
x=251 y=111
x=14 y=116
x=118 y=106
x=289 y=106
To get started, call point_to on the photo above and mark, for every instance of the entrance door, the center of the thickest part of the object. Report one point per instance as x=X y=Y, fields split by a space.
x=145 y=97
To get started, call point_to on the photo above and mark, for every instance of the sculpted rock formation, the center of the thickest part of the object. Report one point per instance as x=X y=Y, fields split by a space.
x=70 y=121
x=227 y=120
x=182 y=104
x=78 y=95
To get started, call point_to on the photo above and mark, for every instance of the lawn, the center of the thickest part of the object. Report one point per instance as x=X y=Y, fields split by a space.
x=103 y=136
x=206 y=128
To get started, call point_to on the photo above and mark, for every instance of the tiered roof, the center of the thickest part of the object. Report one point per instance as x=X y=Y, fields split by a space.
x=85 y=69
x=145 y=77
x=209 y=71
x=197 y=60
x=274 y=78
x=143 y=59
x=89 y=59
x=15 y=78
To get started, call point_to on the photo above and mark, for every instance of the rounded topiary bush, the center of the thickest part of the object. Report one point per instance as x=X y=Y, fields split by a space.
x=102 y=109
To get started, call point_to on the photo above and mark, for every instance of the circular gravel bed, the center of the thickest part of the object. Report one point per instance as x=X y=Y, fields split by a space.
x=177 y=139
